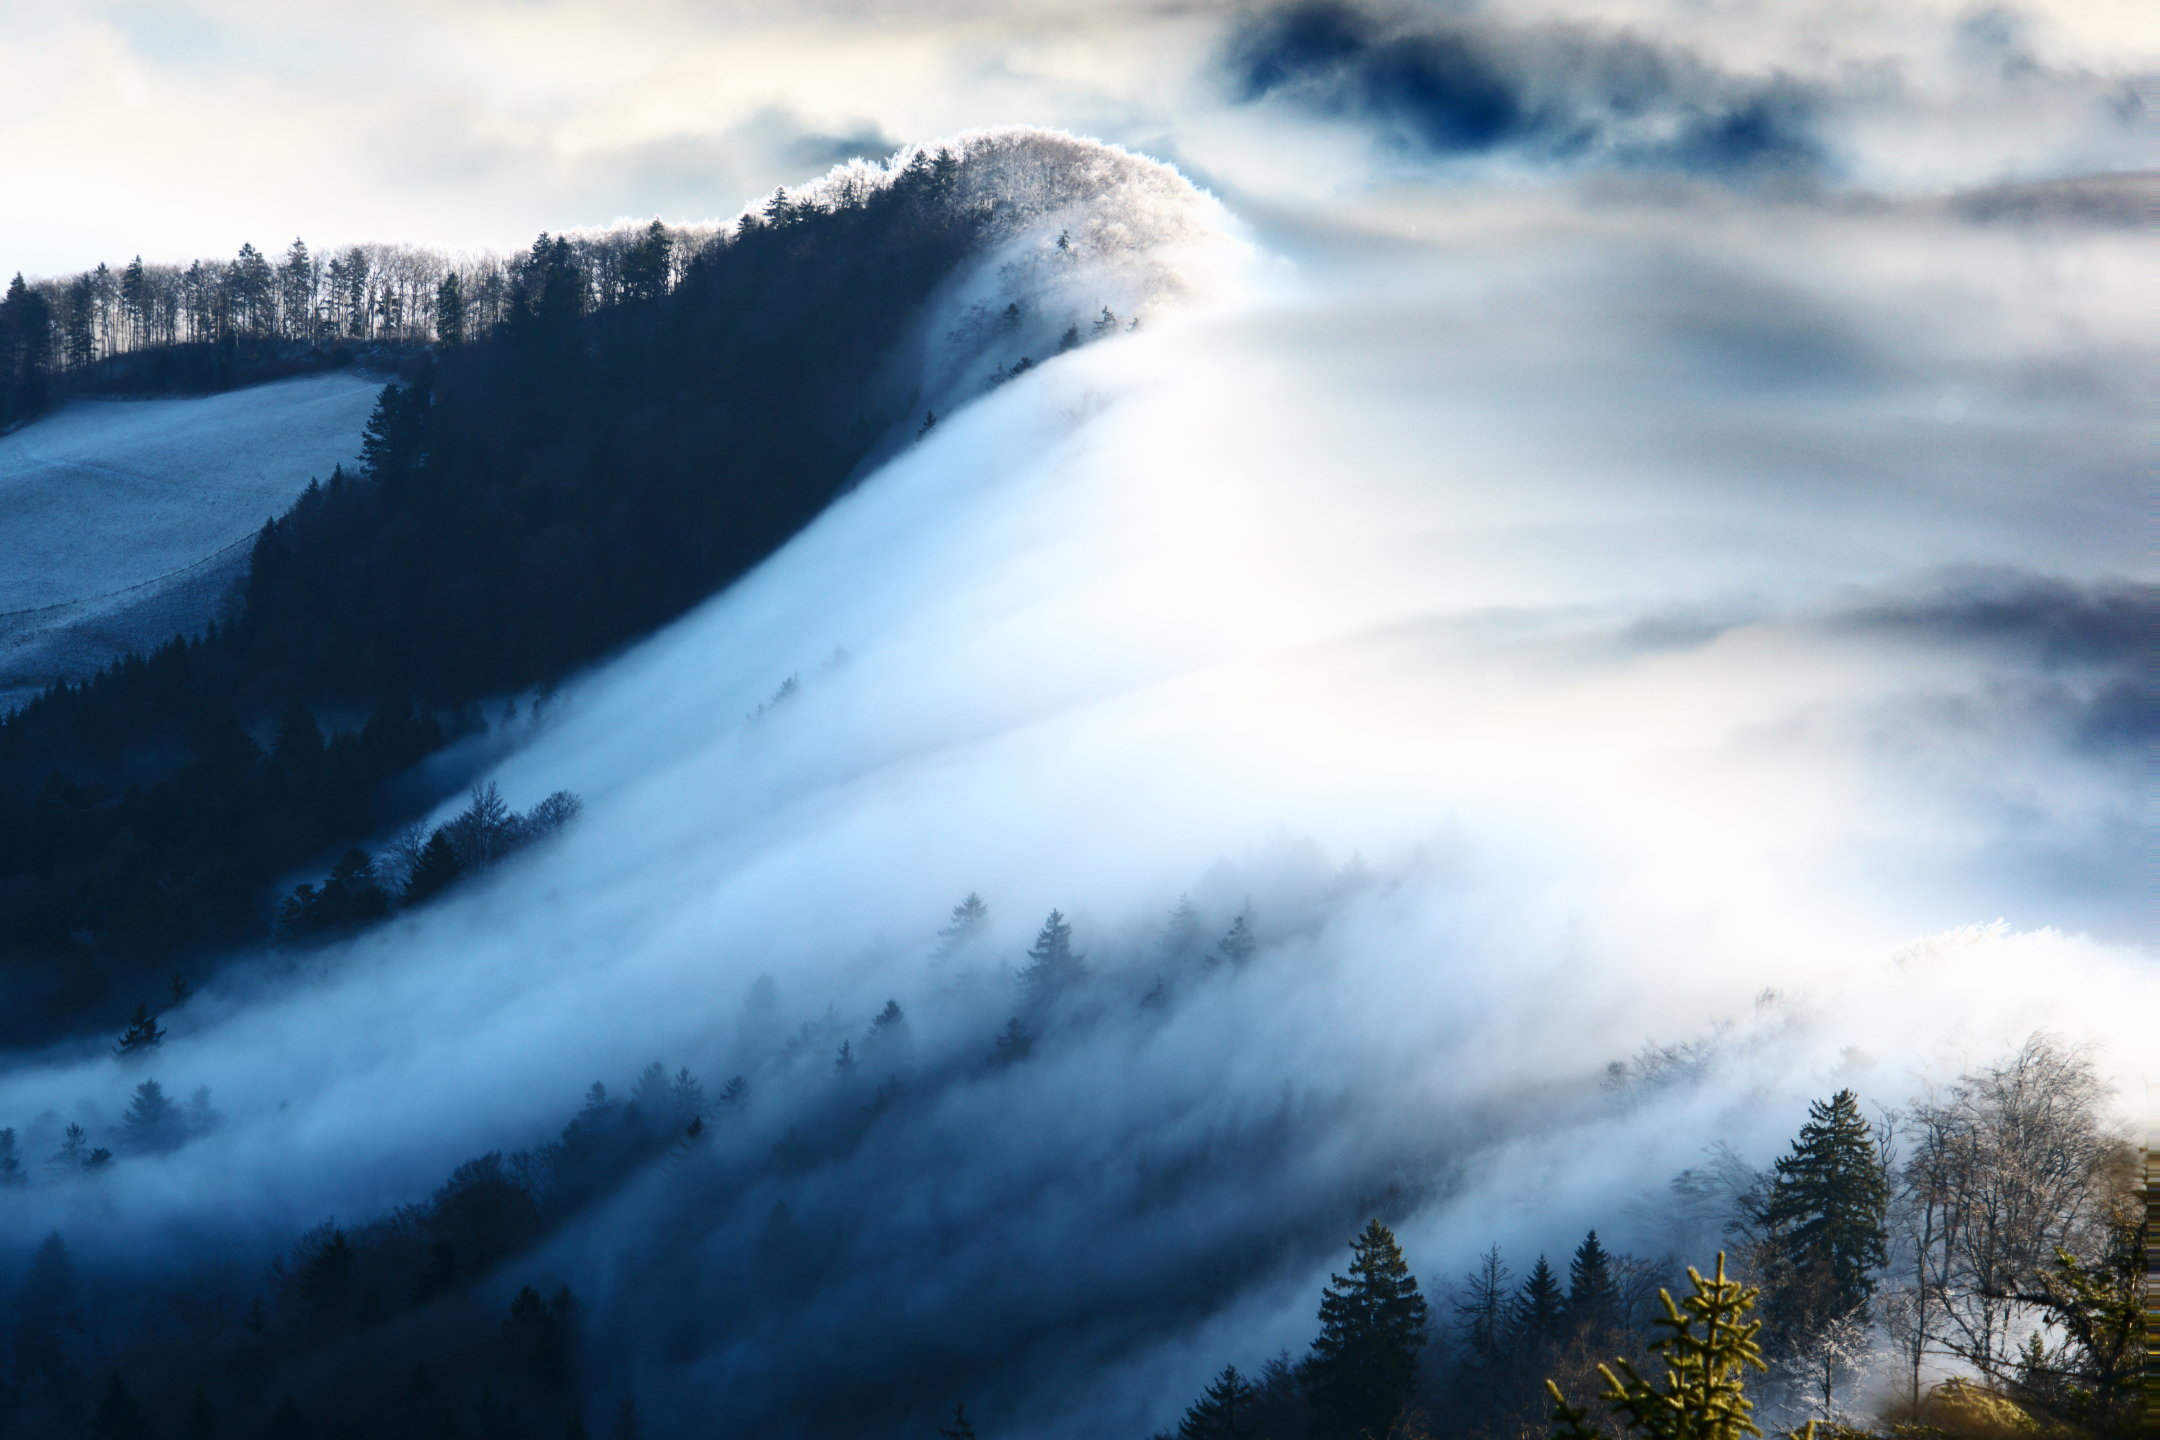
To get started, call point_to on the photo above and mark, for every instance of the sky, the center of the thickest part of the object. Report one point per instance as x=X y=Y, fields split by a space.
x=178 y=130
x=1619 y=540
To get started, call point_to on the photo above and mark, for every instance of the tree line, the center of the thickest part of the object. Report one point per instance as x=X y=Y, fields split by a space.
x=1999 y=1208
x=1988 y=1277
x=208 y=324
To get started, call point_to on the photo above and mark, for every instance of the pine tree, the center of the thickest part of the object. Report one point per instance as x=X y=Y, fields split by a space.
x=435 y=870
x=142 y=1034
x=1482 y=1312
x=450 y=311
x=1238 y=945
x=962 y=1428
x=1539 y=1314
x=48 y=1321
x=153 y=1121
x=1372 y=1325
x=1590 y=1298
x=1825 y=1218
x=119 y=1415
x=1052 y=966
x=199 y=1420
x=1013 y=1044
x=966 y=923
x=1702 y=1395
x=298 y=749
x=1223 y=1412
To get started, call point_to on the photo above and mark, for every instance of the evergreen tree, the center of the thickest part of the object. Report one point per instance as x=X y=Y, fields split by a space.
x=1363 y=1366
x=435 y=870
x=1482 y=1311
x=298 y=749
x=134 y=301
x=1539 y=1315
x=962 y=1428
x=1825 y=1218
x=198 y=1420
x=142 y=1034
x=1182 y=936
x=1223 y=1413
x=11 y=1171
x=74 y=1151
x=1052 y=966
x=966 y=923
x=1591 y=1295
x=48 y=1323
x=1702 y=1395
x=296 y=292
x=153 y=1122
x=326 y=1278
x=627 y=1425
x=1013 y=1044
x=450 y=311
x=119 y=1415
x=1238 y=945
x=646 y=267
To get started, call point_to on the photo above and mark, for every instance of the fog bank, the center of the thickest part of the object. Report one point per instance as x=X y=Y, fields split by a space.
x=1561 y=624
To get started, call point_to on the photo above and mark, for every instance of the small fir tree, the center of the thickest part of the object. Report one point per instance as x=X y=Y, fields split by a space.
x=434 y=871
x=1237 y=946
x=153 y=1121
x=1538 y=1316
x=142 y=1034
x=1703 y=1393
x=1052 y=966
x=1224 y=1412
x=1591 y=1294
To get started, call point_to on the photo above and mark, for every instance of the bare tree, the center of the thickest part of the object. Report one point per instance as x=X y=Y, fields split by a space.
x=2005 y=1167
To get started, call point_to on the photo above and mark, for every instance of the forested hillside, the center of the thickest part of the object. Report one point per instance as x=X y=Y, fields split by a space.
x=609 y=450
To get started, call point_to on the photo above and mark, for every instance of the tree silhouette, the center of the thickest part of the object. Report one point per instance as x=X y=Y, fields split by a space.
x=153 y=1121
x=1591 y=1295
x=1363 y=1366
x=1223 y=1412
x=142 y=1034
x=119 y=1415
x=1824 y=1222
x=1052 y=967
x=1539 y=1314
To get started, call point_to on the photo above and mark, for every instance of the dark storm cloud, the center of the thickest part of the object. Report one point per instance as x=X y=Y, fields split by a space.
x=2085 y=652
x=2055 y=623
x=1452 y=87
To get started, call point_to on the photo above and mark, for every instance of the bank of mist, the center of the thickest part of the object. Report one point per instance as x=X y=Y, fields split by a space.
x=1510 y=639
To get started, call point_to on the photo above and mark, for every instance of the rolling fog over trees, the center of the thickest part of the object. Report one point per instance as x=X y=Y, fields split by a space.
x=1002 y=800
x=525 y=503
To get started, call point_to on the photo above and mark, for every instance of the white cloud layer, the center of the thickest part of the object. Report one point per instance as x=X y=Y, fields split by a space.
x=180 y=130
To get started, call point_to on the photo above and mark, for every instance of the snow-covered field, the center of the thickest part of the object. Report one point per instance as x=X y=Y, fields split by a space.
x=123 y=522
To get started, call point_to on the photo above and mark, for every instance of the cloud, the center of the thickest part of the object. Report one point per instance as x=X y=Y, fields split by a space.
x=1564 y=94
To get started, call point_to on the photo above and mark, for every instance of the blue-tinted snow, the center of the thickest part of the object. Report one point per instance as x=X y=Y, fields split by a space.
x=123 y=522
